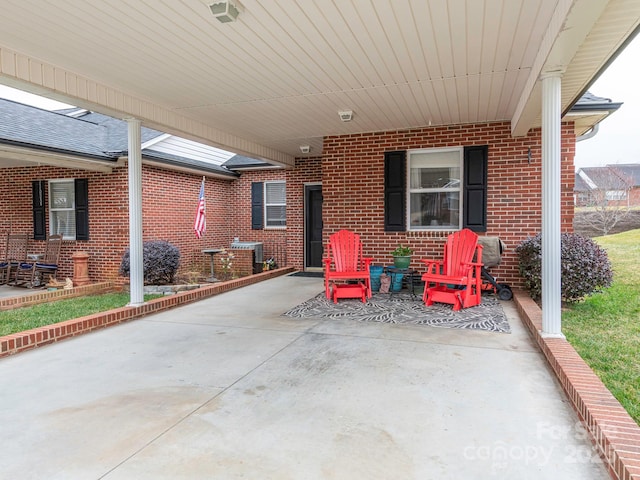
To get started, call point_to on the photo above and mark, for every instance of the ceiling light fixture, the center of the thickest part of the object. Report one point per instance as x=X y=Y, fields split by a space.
x=226 y=11
x=305 y=148
x=346 y=115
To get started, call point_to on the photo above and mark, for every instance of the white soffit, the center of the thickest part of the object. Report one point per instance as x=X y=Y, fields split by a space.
x=276 y=77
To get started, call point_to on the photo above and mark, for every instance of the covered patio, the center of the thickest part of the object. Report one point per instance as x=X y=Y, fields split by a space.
x=330 y=93
x=249 y=393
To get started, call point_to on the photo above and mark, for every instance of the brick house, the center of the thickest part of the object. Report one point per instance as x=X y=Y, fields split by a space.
x=79 y=152
x=610 y=185
x=509 y=194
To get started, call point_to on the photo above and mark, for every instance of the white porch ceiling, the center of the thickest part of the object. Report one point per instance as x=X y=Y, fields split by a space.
x=276 y=78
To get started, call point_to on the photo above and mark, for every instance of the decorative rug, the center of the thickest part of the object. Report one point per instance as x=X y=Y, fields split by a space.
x=400 y=308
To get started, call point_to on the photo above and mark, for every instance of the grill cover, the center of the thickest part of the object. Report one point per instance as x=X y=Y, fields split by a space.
x=255 y=246
x=491 y=251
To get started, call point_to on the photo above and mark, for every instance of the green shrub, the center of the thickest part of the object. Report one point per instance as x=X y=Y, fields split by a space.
x=586 y=268
x=160 y=262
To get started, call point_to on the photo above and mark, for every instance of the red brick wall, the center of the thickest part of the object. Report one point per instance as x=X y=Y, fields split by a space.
x=169 y=203
x=274 y=240
x=285 y=245
x=308 y=170
x=353 y=187
x=352 y=174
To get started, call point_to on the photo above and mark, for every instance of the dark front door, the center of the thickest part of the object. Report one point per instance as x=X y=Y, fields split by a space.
x=313 y=226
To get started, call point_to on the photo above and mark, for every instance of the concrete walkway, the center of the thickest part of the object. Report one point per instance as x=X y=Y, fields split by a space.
x=228 y=388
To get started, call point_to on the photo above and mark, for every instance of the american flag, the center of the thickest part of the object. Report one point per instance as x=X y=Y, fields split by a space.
x=200 y=224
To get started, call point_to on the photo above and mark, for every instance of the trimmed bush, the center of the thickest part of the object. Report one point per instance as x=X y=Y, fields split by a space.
x=586 y=268
x=160 y=262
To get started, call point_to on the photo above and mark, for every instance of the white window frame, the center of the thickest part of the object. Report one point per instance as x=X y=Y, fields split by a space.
x=615 y=195
x=459 y=189
x=279 y=204
x=53 y=210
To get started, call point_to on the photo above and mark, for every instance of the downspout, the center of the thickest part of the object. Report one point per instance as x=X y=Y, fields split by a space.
x=593 y=131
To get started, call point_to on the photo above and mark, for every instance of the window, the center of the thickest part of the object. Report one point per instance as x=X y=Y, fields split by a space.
x=616 y=195
x=435 y=189
x=275 y=204
x=464 y=174
x=62 y=212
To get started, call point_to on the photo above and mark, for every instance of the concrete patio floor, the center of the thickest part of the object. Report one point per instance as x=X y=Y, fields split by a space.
x=229 y=388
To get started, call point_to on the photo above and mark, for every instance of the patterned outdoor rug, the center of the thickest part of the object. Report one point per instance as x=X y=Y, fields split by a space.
x=400 y=308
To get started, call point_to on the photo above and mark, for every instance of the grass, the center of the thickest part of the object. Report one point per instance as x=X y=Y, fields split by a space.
x=605 y=328
x=21 y=319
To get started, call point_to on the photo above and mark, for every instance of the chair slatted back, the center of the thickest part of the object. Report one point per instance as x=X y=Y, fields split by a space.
x=16 y=249
x=346 y=250
x=52 y=250
x=460 y=249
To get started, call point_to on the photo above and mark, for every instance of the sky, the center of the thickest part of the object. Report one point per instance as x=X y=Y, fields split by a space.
x=30 y=99
x=616 y=141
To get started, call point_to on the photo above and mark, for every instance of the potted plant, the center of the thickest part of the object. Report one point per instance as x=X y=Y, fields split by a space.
x=402 y=256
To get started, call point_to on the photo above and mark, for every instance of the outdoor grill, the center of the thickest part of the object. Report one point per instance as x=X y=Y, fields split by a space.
x=258 y=256
x=491 y=257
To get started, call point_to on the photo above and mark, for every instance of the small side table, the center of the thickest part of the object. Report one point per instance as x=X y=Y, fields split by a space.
x=408 y=278
x=212 y=252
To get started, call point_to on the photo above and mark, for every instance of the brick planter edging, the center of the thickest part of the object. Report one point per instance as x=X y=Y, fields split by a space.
x=44 y=296
x=614 y=433
x=37 y=337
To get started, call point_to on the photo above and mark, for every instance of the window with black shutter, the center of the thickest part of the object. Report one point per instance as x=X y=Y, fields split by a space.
x=395 y=191
x=82 y=208
x=447 y=189
x=39 y=218
x=257 y=197
x=475 y=188
x=68 y=209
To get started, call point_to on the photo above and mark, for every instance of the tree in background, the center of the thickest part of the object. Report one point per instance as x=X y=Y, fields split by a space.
x=609 y=199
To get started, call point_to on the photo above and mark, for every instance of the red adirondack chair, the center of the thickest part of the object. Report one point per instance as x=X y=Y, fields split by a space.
x=457 y=278
x=345 y=253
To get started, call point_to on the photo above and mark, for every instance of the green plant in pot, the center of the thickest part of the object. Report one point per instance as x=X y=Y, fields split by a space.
x=402 y=256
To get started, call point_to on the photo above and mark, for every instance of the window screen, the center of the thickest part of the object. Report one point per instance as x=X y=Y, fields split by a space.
x=62 y=213
x=275 y=204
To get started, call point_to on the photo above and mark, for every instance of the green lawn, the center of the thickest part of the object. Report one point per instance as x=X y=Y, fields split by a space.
x=21 y=319
x=605 y=328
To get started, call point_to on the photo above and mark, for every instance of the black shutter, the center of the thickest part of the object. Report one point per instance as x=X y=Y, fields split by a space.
x=475 y=188
x=81 y=186
x=256 y=205
x=394 y=191
x=39 y=219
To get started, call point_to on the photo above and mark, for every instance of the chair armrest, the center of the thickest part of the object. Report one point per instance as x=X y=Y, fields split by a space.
x=367 y=261
x=474 y=264
x=433 y=266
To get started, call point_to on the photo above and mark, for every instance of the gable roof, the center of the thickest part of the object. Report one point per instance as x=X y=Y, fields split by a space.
x=609 y=177
x=33 y=127
x=581 y=184
x=91 y=137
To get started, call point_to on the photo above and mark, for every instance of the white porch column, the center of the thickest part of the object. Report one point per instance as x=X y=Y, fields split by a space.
x=136 y=273
x=551 y=159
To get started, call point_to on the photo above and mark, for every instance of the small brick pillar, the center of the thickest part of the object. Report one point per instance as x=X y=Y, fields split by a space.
x=80 y=269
